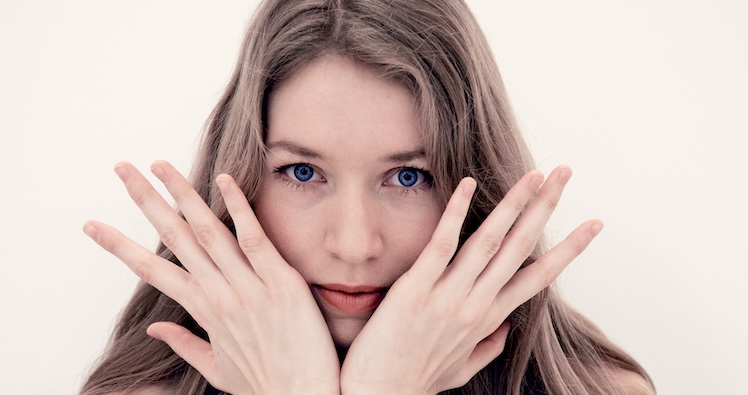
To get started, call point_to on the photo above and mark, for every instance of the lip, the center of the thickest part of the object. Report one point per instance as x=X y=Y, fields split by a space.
x=350 y=299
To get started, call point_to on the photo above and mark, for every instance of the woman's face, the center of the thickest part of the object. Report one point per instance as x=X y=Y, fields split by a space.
x=347 y=198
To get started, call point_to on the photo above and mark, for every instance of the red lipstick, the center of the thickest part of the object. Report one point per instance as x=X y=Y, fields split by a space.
x=350 y=299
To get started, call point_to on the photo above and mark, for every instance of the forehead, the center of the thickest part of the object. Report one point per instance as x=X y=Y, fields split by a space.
x=338 y=106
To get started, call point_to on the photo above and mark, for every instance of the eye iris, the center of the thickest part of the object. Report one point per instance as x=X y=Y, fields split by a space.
x=407 y=177
x=303 y=172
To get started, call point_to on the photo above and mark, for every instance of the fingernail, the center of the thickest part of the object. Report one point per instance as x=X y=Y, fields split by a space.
x=535 y=183
x=468 y=188
x=122 y=172
x=154 y=335
x=159 y=172
x=223 y=184
x=597 y=227
x=565 y=175
x=90 y=230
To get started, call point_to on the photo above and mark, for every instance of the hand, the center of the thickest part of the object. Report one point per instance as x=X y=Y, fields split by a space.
x=439 y=325
x=267 y=334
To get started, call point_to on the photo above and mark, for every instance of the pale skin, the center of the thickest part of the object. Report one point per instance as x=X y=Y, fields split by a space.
x=352 y=222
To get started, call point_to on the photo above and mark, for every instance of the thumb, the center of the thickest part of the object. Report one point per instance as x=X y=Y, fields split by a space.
x=194 y=350
x=484 y=352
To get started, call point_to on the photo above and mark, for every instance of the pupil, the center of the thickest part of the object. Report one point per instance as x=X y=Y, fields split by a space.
x=407 y=177
x=303 y=172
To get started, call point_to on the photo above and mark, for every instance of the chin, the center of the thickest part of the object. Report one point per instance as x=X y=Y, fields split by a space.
x=344 y=331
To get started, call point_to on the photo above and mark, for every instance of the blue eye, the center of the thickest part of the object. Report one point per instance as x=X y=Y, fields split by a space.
x=407 y=177
x=410 y=177
x=299 y=173
x=303 y=173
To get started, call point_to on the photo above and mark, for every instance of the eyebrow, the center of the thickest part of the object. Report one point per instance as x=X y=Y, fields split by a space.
x=418 y=153
x=294 y=148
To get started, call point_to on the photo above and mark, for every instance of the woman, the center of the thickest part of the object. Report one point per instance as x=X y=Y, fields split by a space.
x=359 y=131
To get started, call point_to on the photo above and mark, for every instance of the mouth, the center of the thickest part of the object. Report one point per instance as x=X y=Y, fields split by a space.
x=350 y=299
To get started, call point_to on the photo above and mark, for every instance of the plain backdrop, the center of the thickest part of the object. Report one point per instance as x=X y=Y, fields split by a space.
x=646 y=99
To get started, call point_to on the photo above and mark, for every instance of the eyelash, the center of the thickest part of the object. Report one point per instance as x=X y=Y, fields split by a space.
x=427 y=180
x=298 y=185
x=427 y=183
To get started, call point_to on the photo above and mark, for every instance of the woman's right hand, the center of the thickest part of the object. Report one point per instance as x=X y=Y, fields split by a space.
x=267 y=334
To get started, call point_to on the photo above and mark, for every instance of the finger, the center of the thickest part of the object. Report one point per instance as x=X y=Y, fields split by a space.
x=441 y=248
x=151 y=268
x=524 y=236
x=484 y=352
x=209 y=232
x=173 y=231
x=532 y=279
x=252 y=240
x=194 y=350
x=485 y=242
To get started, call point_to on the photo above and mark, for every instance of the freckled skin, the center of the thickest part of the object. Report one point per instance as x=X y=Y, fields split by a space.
x=359 y=219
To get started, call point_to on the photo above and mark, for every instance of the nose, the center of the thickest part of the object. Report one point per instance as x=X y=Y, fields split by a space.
x=353 y=232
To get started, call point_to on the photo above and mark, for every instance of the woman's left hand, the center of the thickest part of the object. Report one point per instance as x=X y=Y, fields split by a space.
x=441 y=323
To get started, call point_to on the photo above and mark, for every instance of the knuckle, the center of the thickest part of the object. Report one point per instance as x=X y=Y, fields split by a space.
x=552 y=202
x=471 y=318
x=141 y=269
x=283 y=296
x=454 y=211
x=138 y=195
x=184 y=336
x=438 y=309
x=218 y=310
x=444 y=247
x=527 y=245
x=108 y=242
x=221 y=305
x=517 y=205
x=169 y=237
x=548 y=278
x=578 y=246
x=444 y=305
x=491 y=243
x=251 y=243
x=190 y=297
x=205 y=235
x=179 y=194
x=192 y=285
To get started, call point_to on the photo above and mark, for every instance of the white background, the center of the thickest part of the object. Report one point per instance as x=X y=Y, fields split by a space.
x=646 y=100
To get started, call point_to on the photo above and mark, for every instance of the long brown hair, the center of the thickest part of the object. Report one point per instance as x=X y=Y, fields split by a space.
x=436 y=50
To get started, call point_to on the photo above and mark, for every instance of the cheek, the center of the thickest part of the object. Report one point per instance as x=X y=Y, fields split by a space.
x=289 y=227
x=408 y=231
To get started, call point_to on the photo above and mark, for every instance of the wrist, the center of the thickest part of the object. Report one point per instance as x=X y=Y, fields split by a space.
x=305 y=391
x=306 y=388
x=353 y=387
